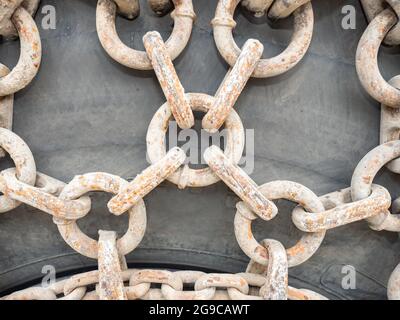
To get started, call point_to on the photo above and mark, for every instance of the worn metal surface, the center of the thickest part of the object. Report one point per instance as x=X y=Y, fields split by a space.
x=30 y=54
x=7 y=9
x=304 y=249
x=240 y=183
x=146 y=181
x=99 y=181
x=373 y=8
x=223 y=24
x=111 y=285
x=188 y=177
x=233 y=85
x=169 y=81
x=183 y=17
x=323 y=163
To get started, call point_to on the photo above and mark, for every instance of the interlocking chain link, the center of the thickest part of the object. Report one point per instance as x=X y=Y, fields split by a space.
x=223 y=24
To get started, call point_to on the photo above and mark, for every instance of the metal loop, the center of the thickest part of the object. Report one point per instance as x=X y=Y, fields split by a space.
x=111 y=285
x=375 y=204
x=112 y=44
x=367 y=60
x=284 y=8
x=372 y=8
x=30 y=56
x=240 y=183
x=364 y=174
x=305 y=247
x=24 y=163
x=187 y=277
x=99 y=181
x=8 y=7
x=217 y=280
x=146 y=181
x=156 y=276
x=41 y=199
x=227 y=47
x=156 y=148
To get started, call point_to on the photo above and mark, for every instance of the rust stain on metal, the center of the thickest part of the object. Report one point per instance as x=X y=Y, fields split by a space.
x=30 y=57
x=183 y=16
x=111 y=285
x=233 y=85
x=223 y=24
x=169 y=81
x=146 y=181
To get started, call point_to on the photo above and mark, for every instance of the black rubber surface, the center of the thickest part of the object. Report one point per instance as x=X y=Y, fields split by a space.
x=85 y=112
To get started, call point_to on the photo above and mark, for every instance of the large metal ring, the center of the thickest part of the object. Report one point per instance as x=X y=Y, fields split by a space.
x=24 y=163
x=156 y=148
x=183 y=17
x=223 y=23
x=367 y=60
x=99 y=181
x=30 y=57
x=305 y=247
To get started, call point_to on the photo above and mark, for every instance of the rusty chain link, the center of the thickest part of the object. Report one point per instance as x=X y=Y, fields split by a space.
x=266 y=276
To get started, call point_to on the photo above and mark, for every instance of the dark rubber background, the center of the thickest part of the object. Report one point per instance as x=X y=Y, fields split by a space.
x=85 y=112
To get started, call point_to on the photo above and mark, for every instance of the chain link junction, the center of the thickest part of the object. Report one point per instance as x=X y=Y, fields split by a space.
x=266 y=276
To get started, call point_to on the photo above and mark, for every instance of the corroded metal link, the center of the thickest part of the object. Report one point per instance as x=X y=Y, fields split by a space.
x=187 y=277
x=39 y=198
x=363 y=176
x=187 y=177
x=240 y=286
x=223 y=24
x=130 y=9
x=169 y=81
x=146 y=181
x=30 y=56
x=276 y=9
x=99 y=181
x=156 y=276
x=7 y=9
x=377 y=203
x=367 y=60
x=394 y=284
x=304 y=248
x=6 y=107
x=276 y=284
x=233 y=85
x=161 y=7
x=111 y=285
x=258 y=7
x=390 y=126
x=24 y=163
x=284 y=8
x=240 y=183
x=216 y=280
x=372 y=8
x=183 y=17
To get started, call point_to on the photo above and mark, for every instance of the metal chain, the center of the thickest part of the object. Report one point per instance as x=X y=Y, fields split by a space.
x=267 y=274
